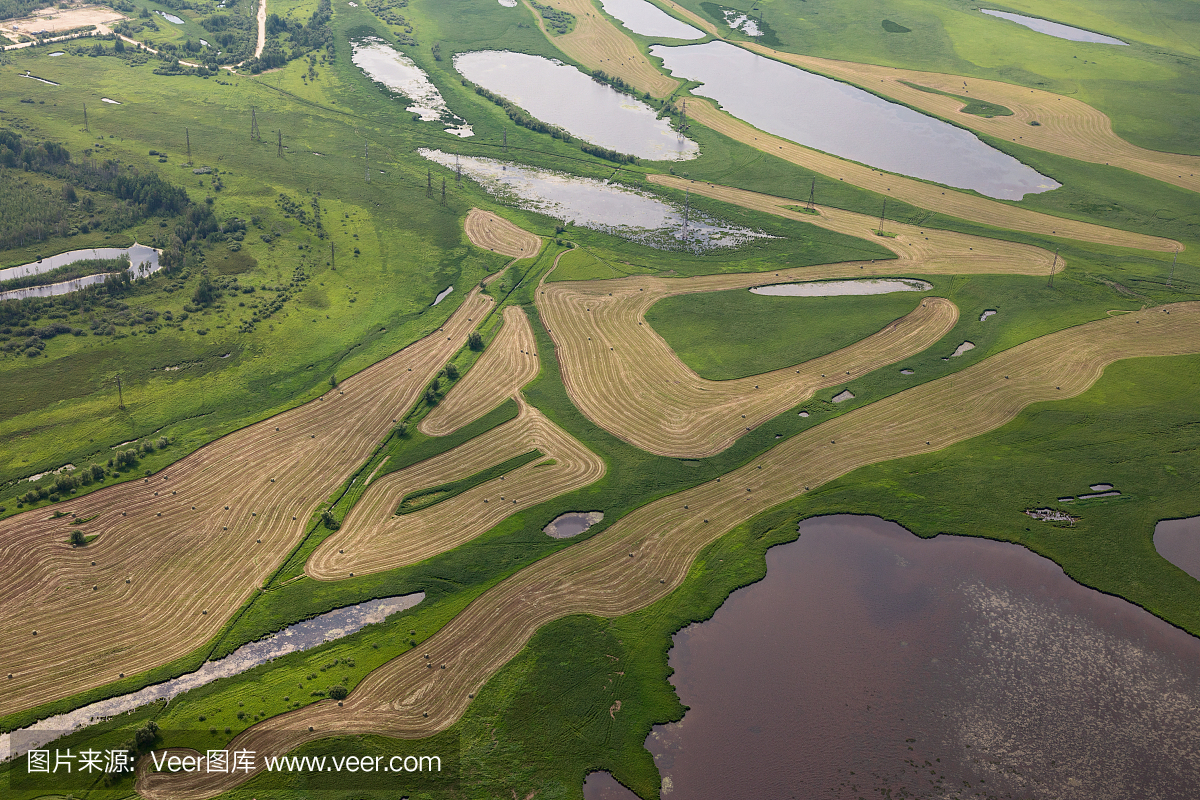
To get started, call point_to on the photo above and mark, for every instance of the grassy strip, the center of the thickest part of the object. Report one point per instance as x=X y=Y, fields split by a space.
x=980 y=108
x=424 y=498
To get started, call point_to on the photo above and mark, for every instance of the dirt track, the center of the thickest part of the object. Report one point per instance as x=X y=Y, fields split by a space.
x=179 y=552
x=497 y=234
x=599 y=44
x=508 y=363
x=645 y=555
x=373 y=538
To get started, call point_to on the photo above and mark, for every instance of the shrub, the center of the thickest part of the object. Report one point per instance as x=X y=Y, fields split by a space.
x=338 y=692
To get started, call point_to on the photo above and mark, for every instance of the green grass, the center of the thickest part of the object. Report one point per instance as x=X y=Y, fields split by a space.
x=979 y=108
x=759 y=333
x=424 y=498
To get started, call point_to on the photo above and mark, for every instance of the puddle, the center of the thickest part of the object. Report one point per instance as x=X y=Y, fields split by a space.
x=143 y=261
x=843 y=396
x=612 y=208
x=56 y=55
x=1098 y=494
x=204 y=43
x=572 y=524
x=596 y=113
x=399 y=73
x=1178 y=541
x=803 y=415
x=508 y=3
x=603 y=786
x=871 y=663
x=962 y=348
x=443 y=294
x=906 y=372
x=171 y=18
x=648 y=19
x=110 y=100
x=294 y=638
x=741 y=21
x=840 y=288
x=1100 y=487
x=848 y=122
x=1055 y=29
x=986 y=314
x=39 y=80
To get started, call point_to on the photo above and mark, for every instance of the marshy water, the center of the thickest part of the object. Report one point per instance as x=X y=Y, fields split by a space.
x=846 y=121
x=648 y=19
x=872 y=663
x=596 y=204
x=561 y=95
x=741 y=21
x=1178 y=541
x=1055 y=29
x=327 y=627
x=841 y=288
x=143 y=261
x=572 y=523
x=399 y=73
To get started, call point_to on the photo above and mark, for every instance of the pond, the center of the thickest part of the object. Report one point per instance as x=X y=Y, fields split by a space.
x=841 y=288
x=837 y=118
x=327 y=627
x=1178 y=541
x=641 y=16
x=741 y=21
x=443 y=294
x=561 y=95
x=399 y=73
x=1055 y=29
x=143 y=261
x=872 y=663
x=171 y=18
x=609 y=207
x=572 y=524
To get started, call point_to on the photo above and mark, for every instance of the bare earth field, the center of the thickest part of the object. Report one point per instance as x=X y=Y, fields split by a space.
x=508 y=363
x=646 y=554
x=373 y=538
x=53 y=20
x=178 y=553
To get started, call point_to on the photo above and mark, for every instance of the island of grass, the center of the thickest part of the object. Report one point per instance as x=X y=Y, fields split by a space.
x=980 y=108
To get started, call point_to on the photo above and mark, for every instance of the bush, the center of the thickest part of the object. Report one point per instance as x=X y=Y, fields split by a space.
x=77 y=538
x=451 y=372
x=329 y=521
x=338 y=692
x=475 y=342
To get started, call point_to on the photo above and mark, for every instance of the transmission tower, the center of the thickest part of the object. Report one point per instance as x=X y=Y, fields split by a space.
x=428 y=182
x=506 y=140
x=85 y=122
x=881 y=213
x=1052 y=266
x=367 y=160
x=457 y=169
x=683 y=117
x=1171 y=280
x=254 y=134
x=812 y=195
x=188 y=135
x=443 y=191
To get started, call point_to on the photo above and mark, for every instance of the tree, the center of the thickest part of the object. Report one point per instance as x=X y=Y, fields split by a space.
x=475 y=342
x=451 y=372
x=205 y=292
x=333 y=381
x=145 y=736
x=338 y=692
x=78 y=539
x=118 y=45
x=329 y=521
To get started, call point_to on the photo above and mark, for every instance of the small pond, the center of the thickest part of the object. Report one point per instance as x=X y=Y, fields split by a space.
x=443 y=294
x=399 y=73
x=741 y=21
x=1056 y=29
x=572 y=524
x=837 y=118
x=595 y=112
x=591 y=203
x=332 y=625
x=1178 y=541
x=872 y=663
x=643 y=17
x=143 y=261
x=840 y=288
x=171 y=18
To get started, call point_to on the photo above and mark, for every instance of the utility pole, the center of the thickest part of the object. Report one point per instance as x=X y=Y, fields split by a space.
x=683 y=117
x=279 y=151
x=443 y=191
x=332 y=260
x=367 y=160
x=428 y=182
x=188 y=134
x=254 y=135
x=881 y=213
x=85 y=122
x=506 y=140
x=812 y=195
x=1052 y=266
x=120 y=395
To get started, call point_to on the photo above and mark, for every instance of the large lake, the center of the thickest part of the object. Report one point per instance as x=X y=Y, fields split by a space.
x=561 y=95
x=872 y=663
x=845 y=121
x=643 y=17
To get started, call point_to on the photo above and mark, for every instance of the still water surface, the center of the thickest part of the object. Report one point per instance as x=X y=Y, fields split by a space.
x=648 y=19
x=872 y=663
x=1056 y=29
x=846 y=121
x=561 y=95
x=395 y=70
x=1178 y=541
x=143 y=261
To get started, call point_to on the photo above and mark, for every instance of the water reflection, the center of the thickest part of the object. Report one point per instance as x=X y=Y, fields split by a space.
x=1056 y=29
x=837 y=118
x=143 y=261
x=648 y=19
x=840 y=288
x=398 y=72
x=872 y=663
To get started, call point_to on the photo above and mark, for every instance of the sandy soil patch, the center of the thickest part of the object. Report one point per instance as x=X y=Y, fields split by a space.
x=646 y=554
x=508 y=363
x=373 y=538
x=497 y=234
x=182 y=550
x=54 y=20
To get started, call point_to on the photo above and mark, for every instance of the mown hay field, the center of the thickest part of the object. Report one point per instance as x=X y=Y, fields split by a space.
x=493 y=232
x=645 y=555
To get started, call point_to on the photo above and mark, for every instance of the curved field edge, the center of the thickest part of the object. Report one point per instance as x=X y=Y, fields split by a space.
x=595 y=576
